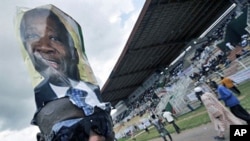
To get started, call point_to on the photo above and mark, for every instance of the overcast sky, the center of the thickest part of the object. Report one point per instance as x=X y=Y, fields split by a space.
x=106 y=26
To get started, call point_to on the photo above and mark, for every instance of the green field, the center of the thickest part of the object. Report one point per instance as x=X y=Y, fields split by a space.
x=193 y=119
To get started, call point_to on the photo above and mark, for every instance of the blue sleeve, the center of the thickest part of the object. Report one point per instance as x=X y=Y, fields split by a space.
x=224 y=94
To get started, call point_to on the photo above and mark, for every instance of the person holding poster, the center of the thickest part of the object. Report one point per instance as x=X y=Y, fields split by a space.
x=68 y=101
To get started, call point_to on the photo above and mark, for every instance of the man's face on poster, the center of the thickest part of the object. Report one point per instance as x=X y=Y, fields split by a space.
x=47 y=43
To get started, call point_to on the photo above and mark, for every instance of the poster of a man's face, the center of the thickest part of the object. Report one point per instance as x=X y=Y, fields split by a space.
x=49 y=46
x=54 y=46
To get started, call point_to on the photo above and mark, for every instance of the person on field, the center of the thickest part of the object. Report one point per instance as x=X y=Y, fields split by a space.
x=233 y=103
x=171 y=120
x=230 y=84
x=219 y=115
x=160 y=128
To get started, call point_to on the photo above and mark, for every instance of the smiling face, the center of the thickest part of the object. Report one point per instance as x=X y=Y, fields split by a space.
x=49 y=46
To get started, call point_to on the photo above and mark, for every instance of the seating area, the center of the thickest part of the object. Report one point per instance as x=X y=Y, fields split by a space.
x=175 y=95
x=203 y=63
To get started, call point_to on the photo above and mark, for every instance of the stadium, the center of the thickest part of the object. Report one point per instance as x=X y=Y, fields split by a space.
x=175 y=46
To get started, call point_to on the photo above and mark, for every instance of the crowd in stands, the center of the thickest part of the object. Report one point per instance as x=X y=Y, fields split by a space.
x=149 y=100
x=213 y=61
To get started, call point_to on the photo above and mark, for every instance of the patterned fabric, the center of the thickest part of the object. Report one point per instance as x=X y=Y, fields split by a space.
x=66 y=123
x=220 y=116
x=77 y=97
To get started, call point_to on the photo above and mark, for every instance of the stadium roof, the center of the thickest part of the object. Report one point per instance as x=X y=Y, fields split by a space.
x=161 y=33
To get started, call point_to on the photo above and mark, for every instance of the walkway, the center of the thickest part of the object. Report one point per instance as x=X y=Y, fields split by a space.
x=204 y=132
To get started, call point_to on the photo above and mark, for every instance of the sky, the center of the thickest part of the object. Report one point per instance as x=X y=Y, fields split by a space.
x=106 y=26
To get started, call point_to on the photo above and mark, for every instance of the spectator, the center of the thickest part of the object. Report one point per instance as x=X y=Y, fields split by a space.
x=218 y=113
x=170 y=119
x=145 y=127
x=230 y=46
x=213 y=85
x=230 y=84
x=233 y=103
x=160 y=128
x=132 y=135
